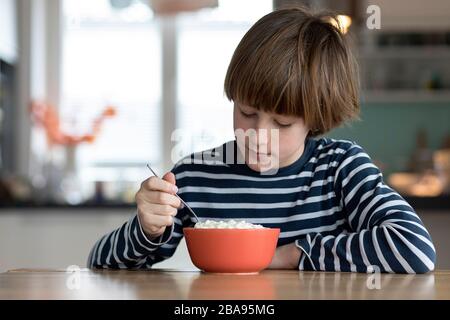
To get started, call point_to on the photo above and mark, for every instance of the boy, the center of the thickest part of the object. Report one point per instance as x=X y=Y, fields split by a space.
x=293 y=73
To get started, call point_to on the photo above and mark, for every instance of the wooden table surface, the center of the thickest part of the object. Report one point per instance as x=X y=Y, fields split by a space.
x=179 y=284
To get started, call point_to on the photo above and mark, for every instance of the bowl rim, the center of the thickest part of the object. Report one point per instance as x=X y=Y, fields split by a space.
x=233 y=229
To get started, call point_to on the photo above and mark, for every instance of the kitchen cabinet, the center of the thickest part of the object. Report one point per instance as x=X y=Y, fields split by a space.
x=406 y=60
x=46 y=233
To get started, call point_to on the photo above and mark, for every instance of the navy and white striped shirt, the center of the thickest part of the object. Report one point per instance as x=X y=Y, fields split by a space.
x=332 y=202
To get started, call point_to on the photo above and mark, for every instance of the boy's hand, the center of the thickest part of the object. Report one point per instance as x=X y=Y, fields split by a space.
x=157 y=204
x=286 y=257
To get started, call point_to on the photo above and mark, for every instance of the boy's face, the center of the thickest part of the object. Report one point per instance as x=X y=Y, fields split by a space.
x=271 y=141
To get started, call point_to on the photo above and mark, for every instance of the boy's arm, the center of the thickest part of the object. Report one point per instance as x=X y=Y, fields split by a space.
x=386 y=233
x=129 y=248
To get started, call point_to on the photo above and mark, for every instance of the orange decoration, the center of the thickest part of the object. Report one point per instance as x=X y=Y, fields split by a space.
x=47 y=116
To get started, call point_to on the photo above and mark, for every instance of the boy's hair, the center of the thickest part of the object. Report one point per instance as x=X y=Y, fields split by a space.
x=294 y=62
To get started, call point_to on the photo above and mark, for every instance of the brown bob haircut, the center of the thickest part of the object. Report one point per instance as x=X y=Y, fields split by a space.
x=297 y=63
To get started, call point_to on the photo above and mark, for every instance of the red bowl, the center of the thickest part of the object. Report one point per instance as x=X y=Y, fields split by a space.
x=231 y=250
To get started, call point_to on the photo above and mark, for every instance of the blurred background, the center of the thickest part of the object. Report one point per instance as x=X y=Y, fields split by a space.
x=91 y=91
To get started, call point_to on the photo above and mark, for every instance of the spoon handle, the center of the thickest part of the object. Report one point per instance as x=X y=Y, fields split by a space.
x=188 y=207
x=182 y=201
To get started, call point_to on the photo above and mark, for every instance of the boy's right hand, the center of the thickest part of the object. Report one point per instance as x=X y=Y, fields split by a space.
x=157 y=204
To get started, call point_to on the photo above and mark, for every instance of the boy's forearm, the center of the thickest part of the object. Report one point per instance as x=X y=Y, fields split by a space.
x=124 y=247
x=384 y=231
x=387 y=247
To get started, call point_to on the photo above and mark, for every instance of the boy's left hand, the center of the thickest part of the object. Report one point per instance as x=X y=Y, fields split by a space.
x=286 y=257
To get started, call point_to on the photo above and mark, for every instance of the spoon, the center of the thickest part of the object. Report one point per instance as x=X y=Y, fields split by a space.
x=182 y=201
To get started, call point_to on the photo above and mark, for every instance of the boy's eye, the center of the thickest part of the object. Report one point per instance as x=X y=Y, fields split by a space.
x=247 y=115
x=283 y=125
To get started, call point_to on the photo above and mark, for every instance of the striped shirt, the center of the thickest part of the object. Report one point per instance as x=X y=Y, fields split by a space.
x=332 y=202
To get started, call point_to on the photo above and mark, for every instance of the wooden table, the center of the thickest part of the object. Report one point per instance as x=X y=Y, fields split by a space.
x=179 y=284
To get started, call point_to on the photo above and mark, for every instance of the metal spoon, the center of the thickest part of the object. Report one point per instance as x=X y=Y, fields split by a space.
x=182 y=201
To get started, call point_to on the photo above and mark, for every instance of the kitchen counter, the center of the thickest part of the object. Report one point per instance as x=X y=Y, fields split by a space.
x=188 y=284
x=418 y=203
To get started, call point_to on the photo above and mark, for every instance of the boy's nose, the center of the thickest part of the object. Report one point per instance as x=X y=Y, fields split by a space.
x=260 y=141
x=263 y=134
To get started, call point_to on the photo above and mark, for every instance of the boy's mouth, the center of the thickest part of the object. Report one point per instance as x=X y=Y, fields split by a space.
x=258 y=153
x=255 y=157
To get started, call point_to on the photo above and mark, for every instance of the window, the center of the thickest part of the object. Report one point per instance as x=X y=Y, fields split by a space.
x=206 y=42
x=114 y=57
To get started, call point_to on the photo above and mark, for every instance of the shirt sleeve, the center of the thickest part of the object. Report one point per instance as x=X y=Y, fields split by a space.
x=129 y=248
x=385 y=233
